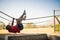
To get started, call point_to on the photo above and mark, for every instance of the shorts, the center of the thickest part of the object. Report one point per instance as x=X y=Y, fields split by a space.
x=20 y=26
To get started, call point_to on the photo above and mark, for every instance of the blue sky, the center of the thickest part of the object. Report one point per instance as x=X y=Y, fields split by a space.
x=34 y=8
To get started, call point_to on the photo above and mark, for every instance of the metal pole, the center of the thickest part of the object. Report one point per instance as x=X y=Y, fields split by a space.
x=54 y=19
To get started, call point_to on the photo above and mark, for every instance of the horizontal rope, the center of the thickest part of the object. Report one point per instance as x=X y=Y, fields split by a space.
x=30 y=18
x=41 y=17
x=37 y=22
x=57 y=10
x=4 y=18
x=5 y=14
x=28 y=23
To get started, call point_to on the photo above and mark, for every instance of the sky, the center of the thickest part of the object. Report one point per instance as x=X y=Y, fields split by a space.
x=34 y=8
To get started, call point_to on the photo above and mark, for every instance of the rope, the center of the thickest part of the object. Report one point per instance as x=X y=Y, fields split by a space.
x=30 y=18
x=57 y=10
x=27 y=19
x=33 y=18
x=5 y=18
x=41 y=17
x=26 y=23
x=5 y=14
x=37 y=22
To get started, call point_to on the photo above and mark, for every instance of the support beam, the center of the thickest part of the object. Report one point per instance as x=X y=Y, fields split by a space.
x=54 y=19
x=57 y=19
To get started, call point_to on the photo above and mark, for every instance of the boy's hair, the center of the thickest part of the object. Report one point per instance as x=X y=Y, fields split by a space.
x=8 y=27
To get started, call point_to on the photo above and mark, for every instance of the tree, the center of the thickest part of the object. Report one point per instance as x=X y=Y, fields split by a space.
x=2 y=25
x=29 y=25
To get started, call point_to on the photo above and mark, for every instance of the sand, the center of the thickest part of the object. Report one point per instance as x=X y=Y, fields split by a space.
x=49 y=31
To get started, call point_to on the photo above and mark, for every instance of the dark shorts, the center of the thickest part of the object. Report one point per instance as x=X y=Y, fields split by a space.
x=20 y=26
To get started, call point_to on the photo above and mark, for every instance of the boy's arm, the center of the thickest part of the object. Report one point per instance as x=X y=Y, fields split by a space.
x=12 y=22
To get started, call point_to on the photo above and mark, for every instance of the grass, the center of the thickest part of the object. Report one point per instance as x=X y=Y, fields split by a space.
x=57 y=27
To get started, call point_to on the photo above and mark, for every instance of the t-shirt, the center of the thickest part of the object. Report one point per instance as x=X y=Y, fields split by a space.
x=14 y=29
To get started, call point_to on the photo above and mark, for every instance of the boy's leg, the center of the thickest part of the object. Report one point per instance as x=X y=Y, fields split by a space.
x=19 y=23
x=23 y=16
x=19 y=20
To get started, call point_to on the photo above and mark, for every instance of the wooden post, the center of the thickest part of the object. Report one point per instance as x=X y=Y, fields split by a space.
x=54 y=19
x=12 y=22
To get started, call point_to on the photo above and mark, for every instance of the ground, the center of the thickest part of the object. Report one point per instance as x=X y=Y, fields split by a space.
x=49 y=31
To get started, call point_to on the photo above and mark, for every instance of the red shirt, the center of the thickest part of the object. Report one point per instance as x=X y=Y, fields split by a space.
x=14 y=29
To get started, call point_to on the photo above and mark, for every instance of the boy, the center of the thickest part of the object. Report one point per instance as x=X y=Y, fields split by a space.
x=19 y=26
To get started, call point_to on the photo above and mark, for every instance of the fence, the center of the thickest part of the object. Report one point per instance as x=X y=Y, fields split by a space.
x=56 y=19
